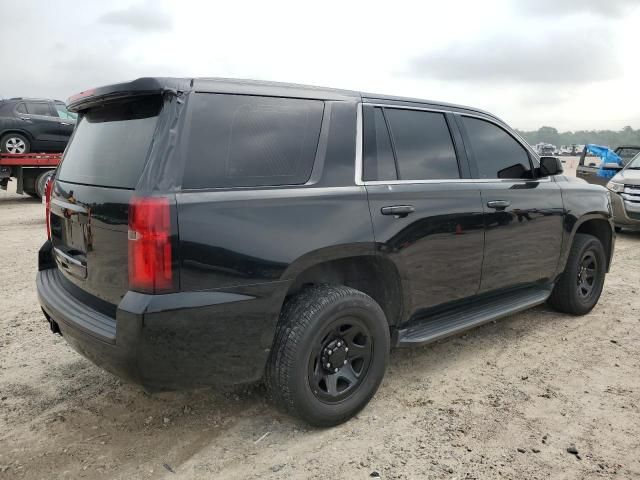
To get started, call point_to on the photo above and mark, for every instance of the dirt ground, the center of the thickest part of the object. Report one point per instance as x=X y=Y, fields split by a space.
x=503 y=401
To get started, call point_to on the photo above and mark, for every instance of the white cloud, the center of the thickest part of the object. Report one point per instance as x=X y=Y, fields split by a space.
x=498 y=55
x=145 y=17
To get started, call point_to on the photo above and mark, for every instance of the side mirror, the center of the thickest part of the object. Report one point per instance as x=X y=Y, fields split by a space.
x=612 y=166
x=550 y=166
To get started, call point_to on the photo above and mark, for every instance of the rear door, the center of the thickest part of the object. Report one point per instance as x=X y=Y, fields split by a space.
x=427 y=215
x=91 y=194
x=523 y=214
x=66 y=122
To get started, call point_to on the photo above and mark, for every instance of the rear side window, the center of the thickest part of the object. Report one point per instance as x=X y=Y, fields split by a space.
x=497 y=154
x=378 y=160
x=21 y=108
x=39 y=108
x=423 y=145
x=110 y=144
x=246 y=141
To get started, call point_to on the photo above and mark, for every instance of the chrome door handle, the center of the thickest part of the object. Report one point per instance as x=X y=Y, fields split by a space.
x=398 y=210
x=498 y=204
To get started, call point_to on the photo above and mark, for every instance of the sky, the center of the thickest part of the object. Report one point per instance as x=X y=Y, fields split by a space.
x=571 y=64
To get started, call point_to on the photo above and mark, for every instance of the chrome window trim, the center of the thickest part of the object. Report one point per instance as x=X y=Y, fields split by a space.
x=360 y=146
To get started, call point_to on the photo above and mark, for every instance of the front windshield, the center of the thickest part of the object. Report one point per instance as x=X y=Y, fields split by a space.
x=634 y=163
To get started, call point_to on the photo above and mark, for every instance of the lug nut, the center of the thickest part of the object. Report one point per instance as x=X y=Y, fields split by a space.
x=345 y=362
x=339 y=344
x=328 y=365
x=335 y=370
x=329 y=352
x=346 y=349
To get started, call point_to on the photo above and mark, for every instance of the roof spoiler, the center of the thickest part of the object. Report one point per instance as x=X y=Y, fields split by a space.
x=141 y=86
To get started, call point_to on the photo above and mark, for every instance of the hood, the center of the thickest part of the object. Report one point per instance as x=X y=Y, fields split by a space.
x=627 y=177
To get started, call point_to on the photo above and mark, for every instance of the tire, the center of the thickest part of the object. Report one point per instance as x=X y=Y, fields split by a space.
x=15 y=143
x=321 y=330
x=578 y=291
x=41 y=182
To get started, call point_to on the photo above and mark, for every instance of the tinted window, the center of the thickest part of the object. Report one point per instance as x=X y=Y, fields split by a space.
x=110 y=145
x=38 y=108
x=497 y=154
x=243 y=141
x=423 y=145
x=378 y=160
x=21 y=108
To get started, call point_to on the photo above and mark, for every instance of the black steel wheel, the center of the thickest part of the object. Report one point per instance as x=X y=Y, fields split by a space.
x=340 y=360
x=580 y=285
x=329 y=355
x=587 y=274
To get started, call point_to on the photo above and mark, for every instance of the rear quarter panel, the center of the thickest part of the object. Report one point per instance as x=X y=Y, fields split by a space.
x=233 y=238
x=242 y=236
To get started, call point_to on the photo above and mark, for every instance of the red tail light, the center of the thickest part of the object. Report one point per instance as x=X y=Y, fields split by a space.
x=47 y=201
x=150 y=255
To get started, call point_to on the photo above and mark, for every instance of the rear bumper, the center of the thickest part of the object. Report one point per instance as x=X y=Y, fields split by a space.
x=173 y=341
x=625 y=214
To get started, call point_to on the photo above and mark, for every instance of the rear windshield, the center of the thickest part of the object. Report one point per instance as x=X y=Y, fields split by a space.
x=245 y=141
x=110 y=144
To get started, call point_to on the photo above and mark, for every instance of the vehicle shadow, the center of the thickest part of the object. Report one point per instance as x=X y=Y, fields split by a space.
x=90 y=405
x=13 y=199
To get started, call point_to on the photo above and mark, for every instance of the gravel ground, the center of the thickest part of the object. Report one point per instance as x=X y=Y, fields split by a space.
x=503 y=401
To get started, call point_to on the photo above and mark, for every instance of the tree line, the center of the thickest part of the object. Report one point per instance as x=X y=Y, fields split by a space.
x=611 y=138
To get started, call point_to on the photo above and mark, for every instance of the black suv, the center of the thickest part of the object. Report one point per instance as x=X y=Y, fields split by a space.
x=34 y=125
x=216 y=232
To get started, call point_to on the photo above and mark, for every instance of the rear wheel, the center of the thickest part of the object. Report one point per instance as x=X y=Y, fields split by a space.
x=41 y=182
x=329 y=355
x=580 y=285
x=14 y=143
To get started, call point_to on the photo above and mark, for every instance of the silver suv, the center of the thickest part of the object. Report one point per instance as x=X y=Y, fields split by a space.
x=625 y=196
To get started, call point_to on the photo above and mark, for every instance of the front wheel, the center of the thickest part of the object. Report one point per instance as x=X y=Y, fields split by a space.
x=329 y=355
x=580 y=285
x=15 y=143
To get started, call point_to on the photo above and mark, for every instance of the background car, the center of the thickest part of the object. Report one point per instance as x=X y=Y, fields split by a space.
x=34 y=125
x=625 y=196
x=589 y=166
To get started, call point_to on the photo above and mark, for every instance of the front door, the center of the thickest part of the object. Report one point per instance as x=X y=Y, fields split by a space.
x=426 y=220
x=44 y=125
x=66 y=122
x=523 y=214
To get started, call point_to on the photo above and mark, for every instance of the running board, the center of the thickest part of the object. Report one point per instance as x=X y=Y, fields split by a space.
x=469 y=316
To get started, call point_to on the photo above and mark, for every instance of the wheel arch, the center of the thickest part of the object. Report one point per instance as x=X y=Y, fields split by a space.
x=19 y=131
x=372 y=274
x=599 y=226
